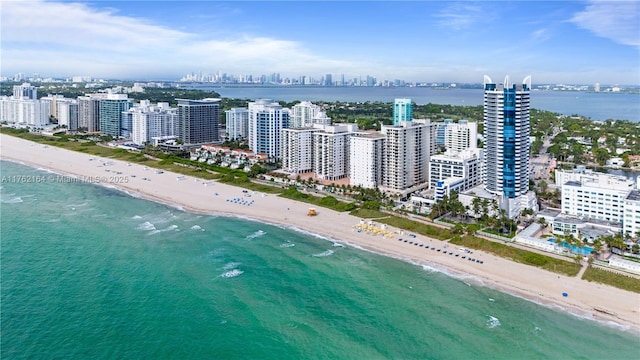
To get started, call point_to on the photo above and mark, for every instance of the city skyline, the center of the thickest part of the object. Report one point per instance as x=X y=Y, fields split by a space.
x=555 y=42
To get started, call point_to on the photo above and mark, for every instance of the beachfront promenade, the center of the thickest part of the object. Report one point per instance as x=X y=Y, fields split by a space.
x=210 y=197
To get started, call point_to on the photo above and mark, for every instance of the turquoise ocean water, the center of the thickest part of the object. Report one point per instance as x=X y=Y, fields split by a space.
x=93 y=273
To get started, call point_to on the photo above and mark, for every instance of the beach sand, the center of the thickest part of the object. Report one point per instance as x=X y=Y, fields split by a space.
x=614 y=306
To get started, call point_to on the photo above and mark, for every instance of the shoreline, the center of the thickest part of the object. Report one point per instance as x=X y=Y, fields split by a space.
x=586 y=300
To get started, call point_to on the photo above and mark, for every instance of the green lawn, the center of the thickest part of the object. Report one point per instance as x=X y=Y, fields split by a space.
x=328 y=201
x=613 y=279
x=518 y=255
x=368 y=213
x=417 y=227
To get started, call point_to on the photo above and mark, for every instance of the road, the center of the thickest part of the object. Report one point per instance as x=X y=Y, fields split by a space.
x=542 y=163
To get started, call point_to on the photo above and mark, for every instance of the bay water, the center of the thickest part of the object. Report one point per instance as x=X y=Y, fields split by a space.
x=592 y=105
x=90 y=272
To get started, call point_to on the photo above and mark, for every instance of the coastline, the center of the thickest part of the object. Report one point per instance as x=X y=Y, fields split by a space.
x=211 y=198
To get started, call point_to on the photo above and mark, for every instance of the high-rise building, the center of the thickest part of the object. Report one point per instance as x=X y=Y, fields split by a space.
x=461 y=136
x=297 y=149
x=23 y=111
x=149 y=121
x=366 y=161
x=506 y=136
x=507 y=145
x=321 y=118
x=67 y=113
x=111 y=109
x=237 y=124
x=441 y=128
x=408 y=147
x=302 y=114
x=198 y=121
x=25 y=92
x=331 y=151
x=402 y=111
x=53 y=103
x=266 y=120
x=89 y=112
x=328 y=81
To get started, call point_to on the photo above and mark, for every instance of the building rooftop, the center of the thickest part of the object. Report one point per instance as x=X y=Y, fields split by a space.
x=550 y=212
x=594 y=232
x=573 y=183
x=575 y=220
x=634 y=195
x=369 y=135
x=480 y=192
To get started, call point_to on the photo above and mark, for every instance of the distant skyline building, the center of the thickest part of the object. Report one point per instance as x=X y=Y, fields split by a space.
x=402 y=111
x=328 y=80
x=199 y=121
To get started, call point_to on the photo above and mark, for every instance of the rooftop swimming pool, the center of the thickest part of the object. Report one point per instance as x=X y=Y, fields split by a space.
x=580 y=250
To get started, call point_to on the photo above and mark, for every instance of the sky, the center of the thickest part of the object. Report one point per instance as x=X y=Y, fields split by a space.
x=568 y=42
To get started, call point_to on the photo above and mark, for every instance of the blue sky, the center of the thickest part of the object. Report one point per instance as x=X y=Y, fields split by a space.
x=572 y=42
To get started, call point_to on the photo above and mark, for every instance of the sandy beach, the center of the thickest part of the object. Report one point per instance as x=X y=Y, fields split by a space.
x=191 y=194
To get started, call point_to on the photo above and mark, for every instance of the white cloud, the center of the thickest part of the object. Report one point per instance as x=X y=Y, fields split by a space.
x=459 y=16
x=63 y=39
x=615 y=20
x=540 y=35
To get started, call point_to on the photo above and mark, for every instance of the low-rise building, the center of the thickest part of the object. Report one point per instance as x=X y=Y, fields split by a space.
x=586 y=194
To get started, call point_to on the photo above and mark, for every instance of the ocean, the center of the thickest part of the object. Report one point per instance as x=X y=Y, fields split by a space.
x=595 y=106
x=90 y=272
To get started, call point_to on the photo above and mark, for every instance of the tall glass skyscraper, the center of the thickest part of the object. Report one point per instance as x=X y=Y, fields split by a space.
x=402 y=111
x=506 y=137
x=111 y=118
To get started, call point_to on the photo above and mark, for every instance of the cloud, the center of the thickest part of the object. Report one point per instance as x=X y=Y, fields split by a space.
x=540 y=35
x=459 y=16
x=618 y=21
x=64 y=39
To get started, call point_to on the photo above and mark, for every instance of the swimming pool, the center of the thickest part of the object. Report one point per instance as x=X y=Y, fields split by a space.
x=580 y=250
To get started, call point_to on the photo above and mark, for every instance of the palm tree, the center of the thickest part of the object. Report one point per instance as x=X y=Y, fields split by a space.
x=476 y=204
x=485 y=209
x=543 y=222
x=494 y=206
x=597 y=247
